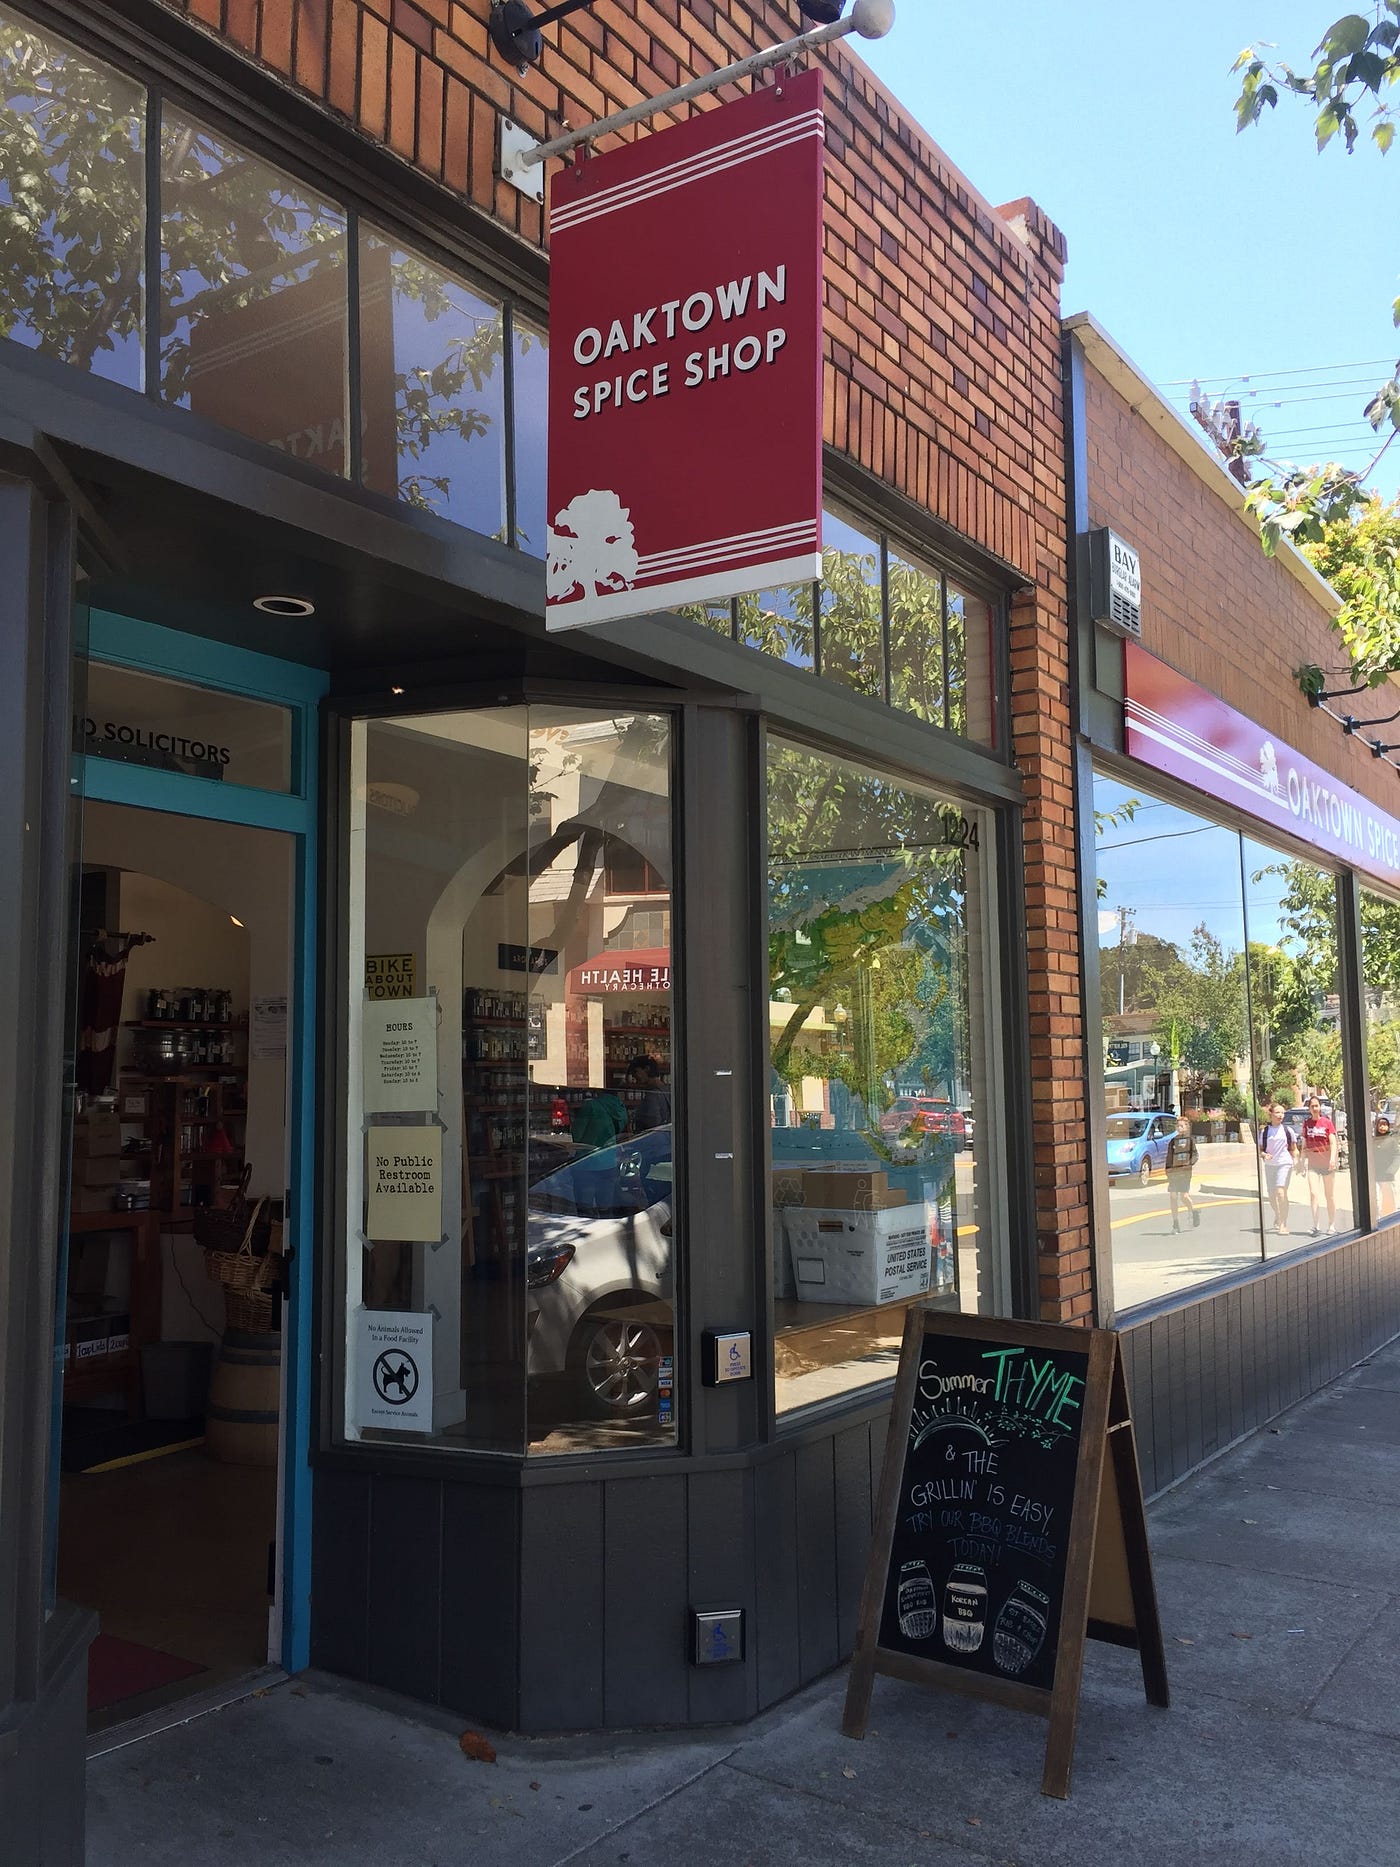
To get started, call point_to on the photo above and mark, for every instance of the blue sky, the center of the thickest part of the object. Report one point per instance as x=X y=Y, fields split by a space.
x=1204 y=253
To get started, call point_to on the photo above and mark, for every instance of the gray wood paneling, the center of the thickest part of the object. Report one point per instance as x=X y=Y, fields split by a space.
x=645 y=1623
x=776 y=1640
x=720 y=1573
x=340 y=1572
x=1204 y=1375
x=562 y=1562
x=405 y=1586
x=818 y=1632
x=851 y=1455
x=481 y=1601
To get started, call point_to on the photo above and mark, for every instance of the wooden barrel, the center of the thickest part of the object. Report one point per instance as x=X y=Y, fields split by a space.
x=240 y=1426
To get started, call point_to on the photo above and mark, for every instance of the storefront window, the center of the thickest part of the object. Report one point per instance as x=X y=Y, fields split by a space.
x=1380 y=980
x=852 y=609
x=531 y=387
x=72 y=203
x=779 y=623
x=1291 y=914
x=968 y=660
x=253 y=297
x=1176 y=1044
x=1218 y=976
x=432 y=387
x=878 y=1063
x=511 y=1162
x=917 y=682
x=875 y=608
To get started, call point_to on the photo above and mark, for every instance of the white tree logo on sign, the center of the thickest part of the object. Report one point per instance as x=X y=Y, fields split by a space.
x=591 y=547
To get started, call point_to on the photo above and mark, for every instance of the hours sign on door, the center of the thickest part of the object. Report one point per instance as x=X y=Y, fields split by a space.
x=685 y=362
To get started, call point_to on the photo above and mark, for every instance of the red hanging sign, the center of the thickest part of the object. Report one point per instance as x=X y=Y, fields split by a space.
x=685 y=369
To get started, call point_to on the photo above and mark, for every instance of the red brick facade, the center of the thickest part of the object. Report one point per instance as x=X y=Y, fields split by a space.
x=1213 y=606
x=942 y=377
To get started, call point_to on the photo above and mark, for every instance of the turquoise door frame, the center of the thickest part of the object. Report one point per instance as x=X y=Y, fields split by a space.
x=150 y=649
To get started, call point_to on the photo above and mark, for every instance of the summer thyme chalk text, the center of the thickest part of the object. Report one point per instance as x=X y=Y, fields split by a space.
x=1018 y=1381
x=664 y=323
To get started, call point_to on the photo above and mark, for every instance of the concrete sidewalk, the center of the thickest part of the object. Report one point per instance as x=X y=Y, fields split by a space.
x=1278 y=1569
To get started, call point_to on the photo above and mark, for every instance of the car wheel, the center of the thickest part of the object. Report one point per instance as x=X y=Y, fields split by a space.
x=617 y=1359
x=1145 y=1171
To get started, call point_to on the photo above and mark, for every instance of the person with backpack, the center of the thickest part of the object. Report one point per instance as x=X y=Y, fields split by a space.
x=1279 y=1151
x=1181 y=1158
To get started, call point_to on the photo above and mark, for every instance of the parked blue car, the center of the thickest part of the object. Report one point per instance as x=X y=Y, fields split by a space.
x=1137 y=1144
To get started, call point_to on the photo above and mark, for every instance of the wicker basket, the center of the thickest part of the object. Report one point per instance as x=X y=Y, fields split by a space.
x=249 y=1282
x=229 y=1228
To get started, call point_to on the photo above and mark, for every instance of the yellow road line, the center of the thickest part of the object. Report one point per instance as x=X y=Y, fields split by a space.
x=1165 y=1212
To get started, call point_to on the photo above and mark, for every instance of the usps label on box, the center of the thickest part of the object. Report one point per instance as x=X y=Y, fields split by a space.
x=859 y=1257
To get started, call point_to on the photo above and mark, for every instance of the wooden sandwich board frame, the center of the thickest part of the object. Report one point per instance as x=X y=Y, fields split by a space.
x=1108 y=1591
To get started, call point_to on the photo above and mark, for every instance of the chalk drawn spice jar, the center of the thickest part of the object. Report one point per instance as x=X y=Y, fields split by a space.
x=918 y=1603
x=965 y=1608
x=1020 y=1630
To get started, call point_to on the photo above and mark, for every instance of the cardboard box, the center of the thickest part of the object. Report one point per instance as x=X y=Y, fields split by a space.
x=92 y=1198
x=839 y=1256
x=97 y=1170
x=868 y=1190
x=96 y=1131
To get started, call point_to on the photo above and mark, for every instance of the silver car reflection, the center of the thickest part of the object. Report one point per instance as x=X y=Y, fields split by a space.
x=599 y=1273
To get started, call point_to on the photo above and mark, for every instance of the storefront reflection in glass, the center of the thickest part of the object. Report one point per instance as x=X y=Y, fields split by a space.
x=253 y=297
x=432 y=388
x=515 y=888
x=1380 y=980
x=71 y=137
x=1218 y=985
x=877 y=1067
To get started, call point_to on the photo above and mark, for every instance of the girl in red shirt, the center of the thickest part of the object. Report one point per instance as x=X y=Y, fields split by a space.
x=1320 y=1152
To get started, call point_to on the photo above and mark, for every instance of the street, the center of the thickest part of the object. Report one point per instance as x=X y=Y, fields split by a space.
x=1151 y=1260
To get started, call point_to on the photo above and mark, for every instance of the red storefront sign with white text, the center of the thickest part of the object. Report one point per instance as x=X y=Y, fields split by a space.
x=685 y=362
x=1177 y=727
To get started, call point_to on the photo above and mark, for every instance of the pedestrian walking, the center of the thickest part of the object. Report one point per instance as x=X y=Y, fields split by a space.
x=1279 y=1151
x=1182 y=1155
x=1321 y=1150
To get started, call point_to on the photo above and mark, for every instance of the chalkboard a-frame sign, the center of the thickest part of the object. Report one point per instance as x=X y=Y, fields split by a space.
x=1010 y=1526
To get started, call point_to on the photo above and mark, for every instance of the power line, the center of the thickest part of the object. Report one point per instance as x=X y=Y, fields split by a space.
x=1311 y=369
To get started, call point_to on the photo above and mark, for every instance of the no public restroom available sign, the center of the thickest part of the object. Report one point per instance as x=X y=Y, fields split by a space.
x=685 y=387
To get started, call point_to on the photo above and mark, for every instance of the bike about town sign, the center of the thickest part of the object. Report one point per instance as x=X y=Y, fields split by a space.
x=685 y=362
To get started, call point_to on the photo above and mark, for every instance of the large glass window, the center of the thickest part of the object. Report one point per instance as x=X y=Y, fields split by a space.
x=432 y=386
x=1291 y=913
x=253 y=297
x=880 y=1026
x=530 y=361
x=876 y=609
x=511 y=1161
x=72 y=205
x=1218 y=976
x=1380 y=979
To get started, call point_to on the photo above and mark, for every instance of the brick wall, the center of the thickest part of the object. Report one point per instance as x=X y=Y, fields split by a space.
x=1213 y=606
x=942 y=364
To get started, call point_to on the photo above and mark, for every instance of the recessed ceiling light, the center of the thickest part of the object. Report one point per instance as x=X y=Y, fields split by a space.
x=396 y=690
x=285 y=605
x=234 y=918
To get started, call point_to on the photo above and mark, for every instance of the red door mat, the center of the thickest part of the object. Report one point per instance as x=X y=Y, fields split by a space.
x=122 y=1669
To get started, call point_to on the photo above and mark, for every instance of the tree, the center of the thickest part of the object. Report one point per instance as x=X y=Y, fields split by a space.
x=1355 y=63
